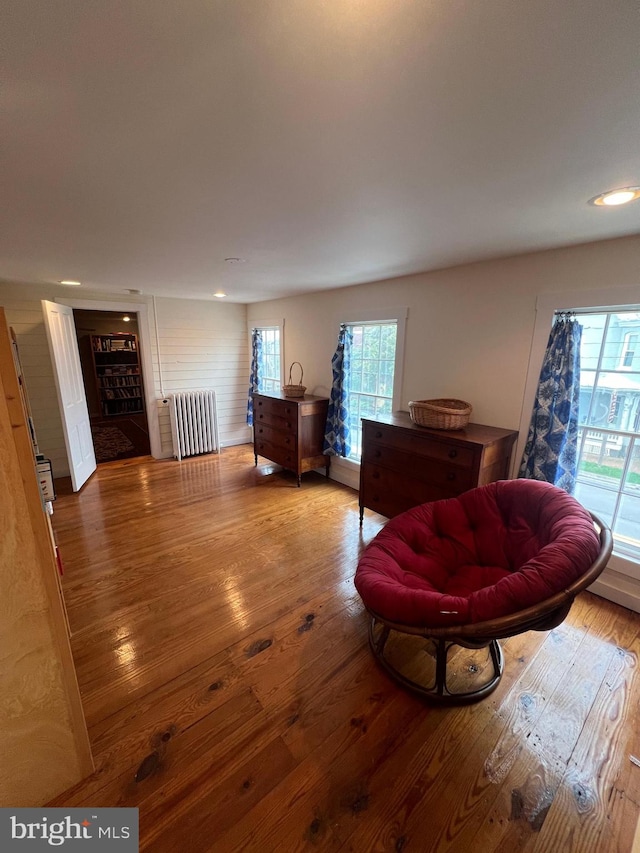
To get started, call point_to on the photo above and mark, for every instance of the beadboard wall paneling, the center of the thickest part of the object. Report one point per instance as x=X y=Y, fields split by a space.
x=205 y=345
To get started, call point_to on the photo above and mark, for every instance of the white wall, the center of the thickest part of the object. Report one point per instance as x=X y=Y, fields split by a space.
x=202 y=344
x=470 y=332
x=469 y=328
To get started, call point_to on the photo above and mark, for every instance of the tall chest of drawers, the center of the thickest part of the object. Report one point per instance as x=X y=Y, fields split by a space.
x=290 y=431
x=404 y=465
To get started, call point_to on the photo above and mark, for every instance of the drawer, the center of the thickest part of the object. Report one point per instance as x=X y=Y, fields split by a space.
x=282 y=422
x=390 y=495
x=273 y=406
x=417 y=489
x=418 y=445
x=277 y=454
x=449 y=474
x=275 y=437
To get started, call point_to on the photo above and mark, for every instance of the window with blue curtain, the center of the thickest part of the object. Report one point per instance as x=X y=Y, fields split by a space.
x=363 y=383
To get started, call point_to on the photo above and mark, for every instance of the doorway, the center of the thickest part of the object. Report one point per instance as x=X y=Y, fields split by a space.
x=111 y=363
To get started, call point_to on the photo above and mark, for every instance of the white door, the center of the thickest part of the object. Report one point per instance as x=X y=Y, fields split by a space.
x=63 y=345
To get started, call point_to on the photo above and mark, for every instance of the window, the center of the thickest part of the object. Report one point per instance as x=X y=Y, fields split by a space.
x=269 y=377
x=609 y=436
x=371 y=377
x=629 y=349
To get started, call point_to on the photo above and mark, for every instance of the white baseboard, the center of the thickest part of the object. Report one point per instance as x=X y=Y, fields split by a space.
x=621 y=589
x=345 y=472
x=168 y=454
x=165 y=454
x=233 y=442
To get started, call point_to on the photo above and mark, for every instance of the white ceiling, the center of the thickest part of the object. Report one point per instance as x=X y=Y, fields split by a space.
x=325 y=142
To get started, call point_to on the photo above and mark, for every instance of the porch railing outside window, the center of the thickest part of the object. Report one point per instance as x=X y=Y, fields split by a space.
x=608 y=481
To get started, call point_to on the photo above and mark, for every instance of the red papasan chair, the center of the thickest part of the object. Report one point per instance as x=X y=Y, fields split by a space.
x=496 y=561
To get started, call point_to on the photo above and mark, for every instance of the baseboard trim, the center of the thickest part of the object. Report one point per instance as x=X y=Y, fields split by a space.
x=621 y=589
x=232 y=442
x=345 y=472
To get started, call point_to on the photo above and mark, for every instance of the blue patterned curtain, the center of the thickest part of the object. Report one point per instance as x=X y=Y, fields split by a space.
x=551 y=450
x=336 y=438
x=256 y=369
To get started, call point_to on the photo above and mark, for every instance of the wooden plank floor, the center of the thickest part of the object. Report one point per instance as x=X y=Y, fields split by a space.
x=230 y=694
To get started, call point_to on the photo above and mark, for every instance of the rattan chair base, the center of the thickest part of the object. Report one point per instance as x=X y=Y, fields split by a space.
x=438 y=691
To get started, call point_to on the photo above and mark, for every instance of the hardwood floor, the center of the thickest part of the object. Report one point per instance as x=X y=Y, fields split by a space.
x=222 y=655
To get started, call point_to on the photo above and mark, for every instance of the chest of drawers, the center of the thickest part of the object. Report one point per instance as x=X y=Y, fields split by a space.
x=404 y=465
x=290 y=431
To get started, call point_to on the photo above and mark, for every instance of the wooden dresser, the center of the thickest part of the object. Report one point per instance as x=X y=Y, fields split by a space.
x=290 y=431
x=404 y=465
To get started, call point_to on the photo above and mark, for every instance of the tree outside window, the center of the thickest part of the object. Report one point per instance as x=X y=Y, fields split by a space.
x=373 y=355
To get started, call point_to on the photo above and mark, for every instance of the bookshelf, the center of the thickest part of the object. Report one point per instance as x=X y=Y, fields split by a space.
x=118 y=376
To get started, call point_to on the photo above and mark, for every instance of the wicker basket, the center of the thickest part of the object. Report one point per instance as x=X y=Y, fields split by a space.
x=291 y=390
x=441 y=413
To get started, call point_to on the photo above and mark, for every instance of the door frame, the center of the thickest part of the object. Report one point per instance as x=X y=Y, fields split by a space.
x=146 y=362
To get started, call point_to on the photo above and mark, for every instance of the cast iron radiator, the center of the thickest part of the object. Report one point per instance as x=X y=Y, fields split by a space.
x=194 y=423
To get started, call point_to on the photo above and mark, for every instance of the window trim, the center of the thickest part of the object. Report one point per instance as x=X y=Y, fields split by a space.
x=268 y=323
x=397 y=315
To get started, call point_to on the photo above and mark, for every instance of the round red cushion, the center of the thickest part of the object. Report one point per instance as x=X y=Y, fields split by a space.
x=490 y=552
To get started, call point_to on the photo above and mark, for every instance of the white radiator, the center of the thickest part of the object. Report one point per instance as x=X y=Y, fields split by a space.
x=194 y=423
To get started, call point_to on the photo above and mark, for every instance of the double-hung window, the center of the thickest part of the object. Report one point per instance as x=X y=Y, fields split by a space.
x=374 y=375
x=269 y=368
x=608 y=480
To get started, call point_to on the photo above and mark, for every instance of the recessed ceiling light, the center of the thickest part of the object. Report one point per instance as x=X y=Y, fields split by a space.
x=132 y=291
x=613 y=198
x=234 y=260
x=220 y=294
x=71 y=283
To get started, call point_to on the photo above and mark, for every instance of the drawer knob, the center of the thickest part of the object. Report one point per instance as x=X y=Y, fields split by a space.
x=260 y=430
x=453 y=454
x=376 y=475
x=451 y=475
x=260 y=415
x=259 y=402
x=377 y=454
x=378 y=434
